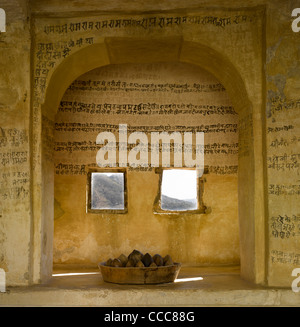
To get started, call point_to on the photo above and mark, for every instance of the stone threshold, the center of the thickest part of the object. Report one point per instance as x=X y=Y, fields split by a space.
x=194 y=287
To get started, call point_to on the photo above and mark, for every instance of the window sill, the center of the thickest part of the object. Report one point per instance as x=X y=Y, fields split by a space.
x=202 y=210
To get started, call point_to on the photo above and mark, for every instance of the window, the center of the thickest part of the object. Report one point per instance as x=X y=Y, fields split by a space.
x=179 y=192
x=107 y=191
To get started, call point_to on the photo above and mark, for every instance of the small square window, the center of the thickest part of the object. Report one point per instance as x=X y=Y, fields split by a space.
x=179 y=192
x=107 y=192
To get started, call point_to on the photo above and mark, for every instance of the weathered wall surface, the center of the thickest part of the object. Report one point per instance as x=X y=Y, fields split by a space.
x=161 y=97
x=67 y=47
x=258 y=42
x=15 y=213
x=283 y=136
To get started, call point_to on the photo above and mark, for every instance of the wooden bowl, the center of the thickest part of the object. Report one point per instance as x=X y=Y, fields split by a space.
x=139 y=275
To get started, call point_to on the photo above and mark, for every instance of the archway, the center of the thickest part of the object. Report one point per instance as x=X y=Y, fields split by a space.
x=114 y=51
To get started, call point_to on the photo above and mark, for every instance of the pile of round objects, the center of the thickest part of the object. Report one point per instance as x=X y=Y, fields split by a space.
x=138 y=259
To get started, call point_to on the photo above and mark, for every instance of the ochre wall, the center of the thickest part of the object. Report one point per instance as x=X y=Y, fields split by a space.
x=15 y=173
x=125 y=41
x=38 y=63
x=171 y=97
x=282 y=143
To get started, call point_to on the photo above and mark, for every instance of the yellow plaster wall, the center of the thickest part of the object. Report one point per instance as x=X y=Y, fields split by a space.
x=282 y=143
x=138 y=48
x=264 y=53
x=211 y=238
x=15 y=174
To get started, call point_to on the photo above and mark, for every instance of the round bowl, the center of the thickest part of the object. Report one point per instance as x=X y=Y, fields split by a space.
x=139 y=275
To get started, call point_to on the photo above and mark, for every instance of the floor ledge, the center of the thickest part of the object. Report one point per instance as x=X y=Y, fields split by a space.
x=194 y=287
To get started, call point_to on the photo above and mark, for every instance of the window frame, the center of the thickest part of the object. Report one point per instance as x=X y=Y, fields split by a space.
x=89 y=192
x=200 y=189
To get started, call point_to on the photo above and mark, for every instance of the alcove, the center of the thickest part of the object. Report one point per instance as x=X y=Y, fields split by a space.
x=150 y=98
x=120 y=51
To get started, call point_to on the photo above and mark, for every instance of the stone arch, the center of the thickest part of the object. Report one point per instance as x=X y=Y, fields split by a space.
x=171 y=49
x=73 y=66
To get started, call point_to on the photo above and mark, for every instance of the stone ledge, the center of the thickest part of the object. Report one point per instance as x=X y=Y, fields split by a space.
x=195 y=287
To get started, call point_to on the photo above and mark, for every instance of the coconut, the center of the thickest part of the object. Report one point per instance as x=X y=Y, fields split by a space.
x=159 y=261
x=153 y=265
x=135 y=255
x=168 y=260
x=130 y=263
x=109 y=262
x=147 y=260
x=116 y=263
x=123 y=259
x=139 y=264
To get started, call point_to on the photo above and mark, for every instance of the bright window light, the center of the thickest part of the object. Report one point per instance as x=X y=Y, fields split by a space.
x=179 y=190
x=75 y=274
x=107 y=191
x=191 y=279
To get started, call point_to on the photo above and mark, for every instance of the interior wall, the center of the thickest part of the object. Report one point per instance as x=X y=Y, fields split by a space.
x=282 y=144
x=15 y=172
x=248 y=45
x=147 y=97
x=41 y=54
